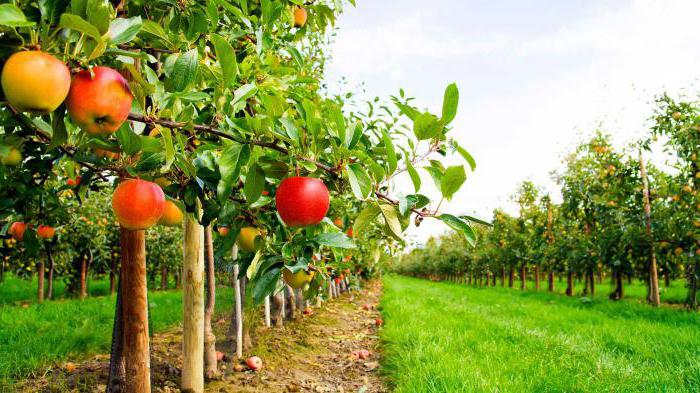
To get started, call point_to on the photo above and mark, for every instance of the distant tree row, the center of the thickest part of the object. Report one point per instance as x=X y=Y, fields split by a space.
x=619 y=216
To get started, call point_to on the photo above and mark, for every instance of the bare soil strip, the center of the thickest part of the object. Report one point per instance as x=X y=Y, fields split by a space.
x=315 y=353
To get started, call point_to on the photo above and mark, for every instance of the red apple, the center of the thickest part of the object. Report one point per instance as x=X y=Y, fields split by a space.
x=17 y=230
x=379 y=322
x=308 y=311
x=35 y=81
x=74 y=182
x=254 y=363
x=349 y=232
x=223 y=231
x=45 y=231
x=99 y=102
x=302 y=201
x=219 y=356
x=172 y=215
x=138 y=204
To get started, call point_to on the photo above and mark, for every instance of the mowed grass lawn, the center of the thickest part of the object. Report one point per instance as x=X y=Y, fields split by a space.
x=445 y=337
x=37 y=335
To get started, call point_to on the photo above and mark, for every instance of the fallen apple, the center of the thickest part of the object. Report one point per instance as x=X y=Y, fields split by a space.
x=254 y=363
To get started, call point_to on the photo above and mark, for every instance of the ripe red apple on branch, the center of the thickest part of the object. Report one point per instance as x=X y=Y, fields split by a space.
x=138 y=204
x=172 y=215
x=99 y=100
x=302 y=201
x=35 y=81
x=45 y=231
x=17 y=230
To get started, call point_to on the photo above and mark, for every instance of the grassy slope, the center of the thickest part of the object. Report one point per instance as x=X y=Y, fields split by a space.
x=35 y=336
x=443 y=337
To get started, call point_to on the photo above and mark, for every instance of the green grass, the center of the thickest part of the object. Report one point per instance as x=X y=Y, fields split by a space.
x=444 y=337
x=14 y=290
x=40 y=334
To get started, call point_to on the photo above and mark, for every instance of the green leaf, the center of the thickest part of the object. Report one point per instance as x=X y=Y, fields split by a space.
x=290 y=127
x=367 y=216
x=409 y=111
x=449 y=103
x=184 y=70
x=151 y=27
x=129 y=142
x=391 y=217
x=59 y=134
x=476 y=220
x=415 y=201
x=12 y=16
x=99 y=13
x=74 y=22
x=169 y=148
x=244 y=92
x=254 y=264
x=226 y=57
x=265 y=284
x=254 y=183
x=460 y=226
x=390 y=152
x=334 y=239
x=415 y=177
x=427 y=126
x=229 y=163
x=452 y=180
x=360 y=182
x=123 y=30
x=467 y=157
x=436 y=175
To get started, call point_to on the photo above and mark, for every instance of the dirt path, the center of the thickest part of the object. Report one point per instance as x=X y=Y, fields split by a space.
x=309 y=354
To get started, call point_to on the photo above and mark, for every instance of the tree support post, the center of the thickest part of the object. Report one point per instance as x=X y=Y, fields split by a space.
x=193 y=307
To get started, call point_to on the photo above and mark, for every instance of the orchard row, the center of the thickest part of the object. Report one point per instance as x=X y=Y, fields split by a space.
x=620 y=217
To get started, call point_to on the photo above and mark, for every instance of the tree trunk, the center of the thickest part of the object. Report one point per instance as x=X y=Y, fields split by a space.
x=523 y=277
x=692 y=299
x=511 y=277
x=550 y=282
x=116 y=381
x=591 y=278
x=278 y=309
x=41 y=271
x=503 y=277
x=667 y=279
x=493 y=280
x=52 y=267
x=299 y=295
x=268 y=322
x=163 y=278
x=617 y=293
x=654 y=297
x=193 y=307
x=211 y=369
x=569 y=283
x=537 y=277
x=238 y=310
x=135 y=312
x=112 y=275
x=83 y=277
x=289 y=301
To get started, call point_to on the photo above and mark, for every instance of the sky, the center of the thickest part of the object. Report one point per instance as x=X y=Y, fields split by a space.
x=535 y=77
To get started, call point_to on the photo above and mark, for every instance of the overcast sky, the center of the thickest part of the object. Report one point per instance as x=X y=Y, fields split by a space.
x=535 y=77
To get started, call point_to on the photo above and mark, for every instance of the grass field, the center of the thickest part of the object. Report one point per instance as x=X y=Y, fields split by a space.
x=444 y=337
x=40 y=334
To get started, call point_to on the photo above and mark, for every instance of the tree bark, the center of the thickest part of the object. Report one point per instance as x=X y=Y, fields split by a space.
x=537 y=277
x=523 y=277
x=211 y=369
x=591 y=278
x=83 y=277
x=163 y=278
x=654 y=297
x=41 y=271
x=667 y=279
x=569 y=283
x=503 y=277
x=268 y=322
x=116 y=381
x=112 y=275
x=278 y=309
x=692 y=299
x=238 y=310
x=52 y=267
x=550 y=282
x=511 y=277
x=617 y=293
x=193 y=307
x=135 y=312
x=289 y=301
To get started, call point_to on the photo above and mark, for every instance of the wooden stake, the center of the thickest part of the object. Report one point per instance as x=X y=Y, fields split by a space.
x=239 y=309
x=268 y=322
x=193 y=307
x=135 y=311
